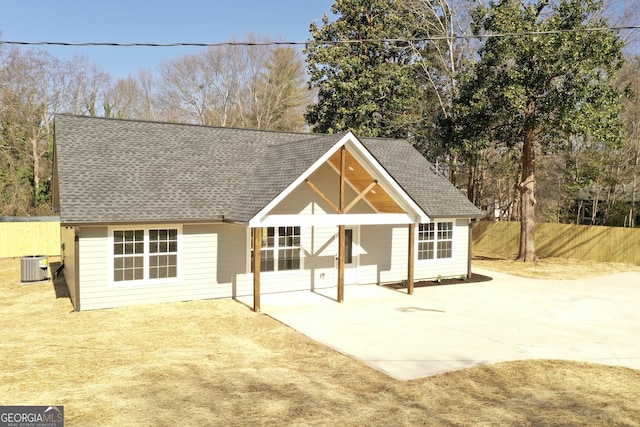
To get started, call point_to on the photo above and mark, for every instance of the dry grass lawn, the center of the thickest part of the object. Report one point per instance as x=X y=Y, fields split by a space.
x=217 y=363
x=553 y=268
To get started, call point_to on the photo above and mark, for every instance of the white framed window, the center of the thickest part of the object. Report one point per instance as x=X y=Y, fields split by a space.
x=280 y=249
x=435 y=240
x=140 y=255
x=128 y=255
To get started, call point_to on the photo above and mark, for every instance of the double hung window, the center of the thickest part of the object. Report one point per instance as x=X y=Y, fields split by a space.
x=435 y=240
x=145 y=254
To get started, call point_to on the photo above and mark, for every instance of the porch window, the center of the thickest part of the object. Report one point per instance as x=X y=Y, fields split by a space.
x=435 y=240
x=280 y=249
x=145 y=254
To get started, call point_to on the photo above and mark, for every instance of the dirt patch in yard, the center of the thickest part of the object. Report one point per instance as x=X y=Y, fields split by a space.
x=206 y=363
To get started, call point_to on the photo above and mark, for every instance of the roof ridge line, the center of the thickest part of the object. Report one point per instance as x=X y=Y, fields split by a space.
x=115 y=119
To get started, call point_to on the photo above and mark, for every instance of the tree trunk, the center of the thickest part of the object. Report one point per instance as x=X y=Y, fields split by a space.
x=453 y=169
x=527 y=201
x=471 y=183
x=579 y=213
x=35 y=155
x=595 y=206
x=632 y=209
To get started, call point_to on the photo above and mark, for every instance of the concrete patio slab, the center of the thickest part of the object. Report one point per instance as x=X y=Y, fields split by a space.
x=444 y=328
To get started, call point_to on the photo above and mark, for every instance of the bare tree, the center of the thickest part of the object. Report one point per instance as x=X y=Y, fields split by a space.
x=281 y=94
x=198 y=88
x=629 y=79
x=84 y=87
x=622 y=13
x=442 y=59
x=260 y=87
x=132 y=97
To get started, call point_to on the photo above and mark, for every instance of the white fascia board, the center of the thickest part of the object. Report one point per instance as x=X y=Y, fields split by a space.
x=331 y=220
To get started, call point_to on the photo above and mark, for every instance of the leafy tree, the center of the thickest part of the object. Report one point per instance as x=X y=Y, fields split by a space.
x=366 y=81
x=533 y=91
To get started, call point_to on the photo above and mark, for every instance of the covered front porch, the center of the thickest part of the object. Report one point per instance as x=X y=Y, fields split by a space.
x=349 y=192
x=272 y=302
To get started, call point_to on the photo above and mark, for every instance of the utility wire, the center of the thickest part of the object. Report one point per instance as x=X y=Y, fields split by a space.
x=321 y=42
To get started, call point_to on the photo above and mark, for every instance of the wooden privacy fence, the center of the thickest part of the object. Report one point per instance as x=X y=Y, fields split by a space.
x=583 y=242
x=20 y=236
x=41 y=236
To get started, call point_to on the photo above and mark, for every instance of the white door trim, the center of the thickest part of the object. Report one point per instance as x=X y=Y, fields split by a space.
x=350 y=269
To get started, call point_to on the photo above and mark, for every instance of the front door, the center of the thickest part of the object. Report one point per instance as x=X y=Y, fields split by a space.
x=351 y=255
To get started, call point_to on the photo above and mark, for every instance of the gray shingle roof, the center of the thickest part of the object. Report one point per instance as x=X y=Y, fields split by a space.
x=280 y=166
x=418 y=177
x=112 y=171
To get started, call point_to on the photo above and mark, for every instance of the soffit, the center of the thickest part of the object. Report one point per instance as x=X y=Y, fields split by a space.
x=359 y=178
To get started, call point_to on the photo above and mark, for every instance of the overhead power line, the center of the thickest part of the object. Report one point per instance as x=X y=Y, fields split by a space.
x=320 y=42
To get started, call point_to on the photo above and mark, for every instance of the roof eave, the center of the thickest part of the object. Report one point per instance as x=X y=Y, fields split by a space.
x=459 y=216
x=93 y=223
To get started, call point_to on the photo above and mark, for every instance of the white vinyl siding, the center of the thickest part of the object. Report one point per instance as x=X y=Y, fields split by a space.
x=216 y=264
x=211 y=258
x=445 y=266
x=385 y=251
x=320 y=256
x=317 y=268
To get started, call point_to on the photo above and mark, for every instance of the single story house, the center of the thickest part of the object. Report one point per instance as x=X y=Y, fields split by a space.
x=154 y=212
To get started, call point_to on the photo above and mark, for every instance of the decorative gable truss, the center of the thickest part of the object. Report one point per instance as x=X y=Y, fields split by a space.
x=358 y=178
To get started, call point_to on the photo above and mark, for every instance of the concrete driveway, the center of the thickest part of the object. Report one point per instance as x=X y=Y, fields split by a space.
x=444 y=328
